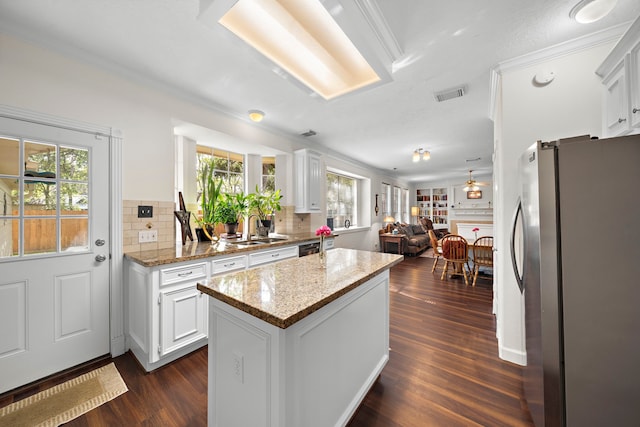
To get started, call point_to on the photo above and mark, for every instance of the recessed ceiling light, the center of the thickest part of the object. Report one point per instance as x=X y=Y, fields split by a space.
x=302 y=37
x=587 y=11
x=256 y=115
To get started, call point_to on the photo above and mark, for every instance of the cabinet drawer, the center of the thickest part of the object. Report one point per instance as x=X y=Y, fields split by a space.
x=228 y=264
x=170 y=276
x=265 y=257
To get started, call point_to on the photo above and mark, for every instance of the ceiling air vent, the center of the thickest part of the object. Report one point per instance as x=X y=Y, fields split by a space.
x=308 y=133
x=445 y=95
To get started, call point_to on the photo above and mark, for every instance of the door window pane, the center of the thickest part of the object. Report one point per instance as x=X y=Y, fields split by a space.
x=40 y=160
x=9 y=233
x=74 y=199
x=9 y=157
x=8 y=197
x=40 y=236
x=74 y=164
x=40 y=198
x=74 y=234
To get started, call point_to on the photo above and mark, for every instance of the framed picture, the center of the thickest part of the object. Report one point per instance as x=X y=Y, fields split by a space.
x=474 y=194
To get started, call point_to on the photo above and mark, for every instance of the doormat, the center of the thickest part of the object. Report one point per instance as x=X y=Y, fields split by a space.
x=65 y=401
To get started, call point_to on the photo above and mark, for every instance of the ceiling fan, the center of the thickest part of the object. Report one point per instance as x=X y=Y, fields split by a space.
x=472 y=184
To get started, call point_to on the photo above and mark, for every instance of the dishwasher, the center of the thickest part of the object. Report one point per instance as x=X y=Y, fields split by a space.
x=308 y=249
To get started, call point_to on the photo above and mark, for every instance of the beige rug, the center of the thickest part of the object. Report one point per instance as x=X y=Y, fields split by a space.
x=65 y=401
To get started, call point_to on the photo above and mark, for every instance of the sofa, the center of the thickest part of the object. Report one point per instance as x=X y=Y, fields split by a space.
x=417 y=239
x=417 y=236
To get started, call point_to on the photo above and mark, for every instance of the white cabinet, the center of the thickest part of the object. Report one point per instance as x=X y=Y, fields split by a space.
x=183 y=318
x=616 y=117
x=620 y=74
x=227 y=265
x=308 y=180
x=166 y=316
x=434 y=204
x=273 y=255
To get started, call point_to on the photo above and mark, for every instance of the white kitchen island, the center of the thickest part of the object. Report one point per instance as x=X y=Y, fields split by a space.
x=296 y=344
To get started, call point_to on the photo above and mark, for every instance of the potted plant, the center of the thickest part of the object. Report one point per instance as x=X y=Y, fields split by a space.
x=211 y=191
x=264 y=203
x=229 y=209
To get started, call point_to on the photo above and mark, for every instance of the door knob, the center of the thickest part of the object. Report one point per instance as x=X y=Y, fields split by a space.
x=99 y=242
x=101 y=258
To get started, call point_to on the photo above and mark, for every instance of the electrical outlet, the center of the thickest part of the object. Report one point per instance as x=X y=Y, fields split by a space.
x=238 y=367
x=146 y=236
x=145 y=211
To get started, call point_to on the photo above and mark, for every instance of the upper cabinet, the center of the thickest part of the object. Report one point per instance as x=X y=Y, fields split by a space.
x=308 y=175
x=620 y=74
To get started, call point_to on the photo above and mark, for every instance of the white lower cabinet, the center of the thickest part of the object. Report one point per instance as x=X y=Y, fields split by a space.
x=183 y=318
x=166 y=317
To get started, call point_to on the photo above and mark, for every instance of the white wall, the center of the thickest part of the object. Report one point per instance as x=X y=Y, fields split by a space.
x=569 y=106
x=44 y=81
x=41 y=80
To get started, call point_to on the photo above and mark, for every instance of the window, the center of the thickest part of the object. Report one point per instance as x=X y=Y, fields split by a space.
x=397 y=208
x=44 y=198
x=385 y=198
x=342 y=199
x=405 y=206
x=269 y=174
x=226 y=165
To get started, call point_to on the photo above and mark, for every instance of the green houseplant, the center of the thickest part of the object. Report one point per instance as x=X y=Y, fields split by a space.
x=209 y=197
x=264 y=203
x=229 y=209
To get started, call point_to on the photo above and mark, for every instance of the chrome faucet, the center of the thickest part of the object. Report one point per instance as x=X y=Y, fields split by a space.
x=249 y=226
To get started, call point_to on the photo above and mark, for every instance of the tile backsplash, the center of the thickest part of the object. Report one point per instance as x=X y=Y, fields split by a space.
x=163 y=221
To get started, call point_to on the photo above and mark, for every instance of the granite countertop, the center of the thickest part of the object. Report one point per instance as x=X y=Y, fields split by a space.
x=198 y=250
x=287 y=291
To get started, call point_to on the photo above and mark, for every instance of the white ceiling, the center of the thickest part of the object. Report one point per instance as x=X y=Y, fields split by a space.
x=444 y=44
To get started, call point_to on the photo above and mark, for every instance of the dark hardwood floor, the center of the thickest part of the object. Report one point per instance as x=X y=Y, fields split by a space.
x=443 y=368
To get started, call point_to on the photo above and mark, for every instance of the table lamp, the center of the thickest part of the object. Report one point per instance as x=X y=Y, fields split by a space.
x=415 y=211
x=388 y=220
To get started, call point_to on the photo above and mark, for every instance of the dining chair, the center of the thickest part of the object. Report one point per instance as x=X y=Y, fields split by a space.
x=482 y=255
x=437 y=249
x=455 y=251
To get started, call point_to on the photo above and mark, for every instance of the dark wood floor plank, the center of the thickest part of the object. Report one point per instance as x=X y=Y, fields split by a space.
x=443 y=368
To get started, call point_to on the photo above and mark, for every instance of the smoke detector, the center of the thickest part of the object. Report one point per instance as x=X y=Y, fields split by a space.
x=447 y=94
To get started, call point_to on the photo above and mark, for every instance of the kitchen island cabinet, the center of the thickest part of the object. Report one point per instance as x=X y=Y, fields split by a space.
x=165 y=315
x=296 y=344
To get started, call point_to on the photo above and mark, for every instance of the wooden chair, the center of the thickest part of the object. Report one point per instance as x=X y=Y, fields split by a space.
x=455 y=251
x=437 y=249
x=482 y=255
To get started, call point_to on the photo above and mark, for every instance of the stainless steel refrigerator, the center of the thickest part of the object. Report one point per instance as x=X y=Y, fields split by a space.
x=575 y=247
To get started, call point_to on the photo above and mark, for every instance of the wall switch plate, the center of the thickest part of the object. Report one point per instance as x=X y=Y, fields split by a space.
x=145 y=211
x=147 y=236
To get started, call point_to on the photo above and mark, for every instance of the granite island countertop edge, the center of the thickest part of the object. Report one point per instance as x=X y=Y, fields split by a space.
x=307 y=309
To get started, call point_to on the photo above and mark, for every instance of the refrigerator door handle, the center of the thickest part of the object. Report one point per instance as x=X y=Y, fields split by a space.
x=514 y=262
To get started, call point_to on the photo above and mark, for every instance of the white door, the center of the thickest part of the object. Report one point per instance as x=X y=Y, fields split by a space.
x=54 y=250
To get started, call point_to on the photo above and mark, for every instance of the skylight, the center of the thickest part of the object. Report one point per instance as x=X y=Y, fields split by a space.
x=302 y=37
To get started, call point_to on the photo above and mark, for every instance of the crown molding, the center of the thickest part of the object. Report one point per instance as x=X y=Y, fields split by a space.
x=626 y=43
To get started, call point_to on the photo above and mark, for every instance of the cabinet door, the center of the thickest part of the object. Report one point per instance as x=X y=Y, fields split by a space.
x=616 y=106
x=634 y=85
x=183 y=318
x=314 y=182
x=308 y=174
